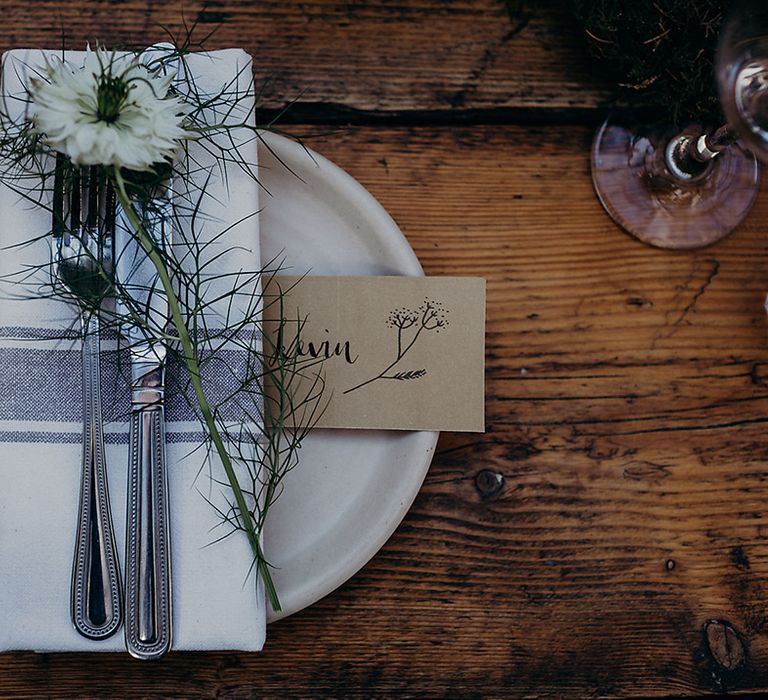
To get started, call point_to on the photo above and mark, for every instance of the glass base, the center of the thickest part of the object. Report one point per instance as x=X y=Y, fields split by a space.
x=634 y=185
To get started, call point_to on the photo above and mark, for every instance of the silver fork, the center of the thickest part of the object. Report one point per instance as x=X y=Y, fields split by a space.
x=83 y=265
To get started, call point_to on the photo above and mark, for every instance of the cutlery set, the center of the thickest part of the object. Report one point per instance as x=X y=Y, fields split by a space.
x=96 y=252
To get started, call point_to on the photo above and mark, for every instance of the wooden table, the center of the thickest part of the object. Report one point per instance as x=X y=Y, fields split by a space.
x=608 y=534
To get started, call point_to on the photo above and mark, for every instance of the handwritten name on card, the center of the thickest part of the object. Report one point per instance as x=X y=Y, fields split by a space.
x=396 y=353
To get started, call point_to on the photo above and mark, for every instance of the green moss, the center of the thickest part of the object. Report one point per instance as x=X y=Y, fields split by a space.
x=658 y=53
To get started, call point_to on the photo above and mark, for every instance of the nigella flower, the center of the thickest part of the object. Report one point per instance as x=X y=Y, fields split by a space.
x=108 y=110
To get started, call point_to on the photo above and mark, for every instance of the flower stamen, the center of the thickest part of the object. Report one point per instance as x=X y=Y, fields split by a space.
x=111 y=95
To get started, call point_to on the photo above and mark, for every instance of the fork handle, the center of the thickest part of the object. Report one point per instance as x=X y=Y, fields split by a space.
x=96 y=599
x=148 y=565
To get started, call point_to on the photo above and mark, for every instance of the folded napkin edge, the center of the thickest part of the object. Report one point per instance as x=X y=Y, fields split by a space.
x=223 y=53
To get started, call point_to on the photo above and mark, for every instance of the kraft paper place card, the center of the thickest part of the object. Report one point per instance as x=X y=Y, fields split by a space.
x=396 y=353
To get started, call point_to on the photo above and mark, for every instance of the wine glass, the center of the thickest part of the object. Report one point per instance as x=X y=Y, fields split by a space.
x=690 y=188
x=741 y=67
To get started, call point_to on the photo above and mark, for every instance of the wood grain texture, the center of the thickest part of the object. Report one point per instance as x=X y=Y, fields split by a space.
x=378 y=58
x=608 y=534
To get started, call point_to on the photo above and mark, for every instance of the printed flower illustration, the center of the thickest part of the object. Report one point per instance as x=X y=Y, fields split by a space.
x=410 y=325
x=108 y=110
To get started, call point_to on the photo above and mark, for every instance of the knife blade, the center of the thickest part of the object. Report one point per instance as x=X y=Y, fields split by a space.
x=143 y=309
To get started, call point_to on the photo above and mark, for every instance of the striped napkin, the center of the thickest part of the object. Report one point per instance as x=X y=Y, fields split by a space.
x=40 y=425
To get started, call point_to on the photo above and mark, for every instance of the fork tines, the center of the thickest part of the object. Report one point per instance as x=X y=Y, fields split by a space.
x=88 y=192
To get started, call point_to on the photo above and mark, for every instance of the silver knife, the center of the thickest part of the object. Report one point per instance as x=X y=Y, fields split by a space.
x=148 y=619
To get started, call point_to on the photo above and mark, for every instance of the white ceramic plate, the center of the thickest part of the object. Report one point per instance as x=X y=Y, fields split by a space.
x=352 y=487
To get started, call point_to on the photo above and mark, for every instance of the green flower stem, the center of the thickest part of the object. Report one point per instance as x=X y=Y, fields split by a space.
x=193 y=367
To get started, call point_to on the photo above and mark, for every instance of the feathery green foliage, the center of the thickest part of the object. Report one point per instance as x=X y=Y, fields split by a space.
x=256 y=453
x=658 y=54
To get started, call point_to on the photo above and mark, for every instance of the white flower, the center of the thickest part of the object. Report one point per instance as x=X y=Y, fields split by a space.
x=110 y=110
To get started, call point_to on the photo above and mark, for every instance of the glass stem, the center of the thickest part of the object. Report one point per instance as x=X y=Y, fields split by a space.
x=707 y=146
x=688 y=156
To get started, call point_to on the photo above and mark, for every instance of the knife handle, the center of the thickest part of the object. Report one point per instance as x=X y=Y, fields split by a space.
x=96 y=596
x=148 y=562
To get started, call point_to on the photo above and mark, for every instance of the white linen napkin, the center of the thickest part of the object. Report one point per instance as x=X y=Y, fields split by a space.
x=214 y=606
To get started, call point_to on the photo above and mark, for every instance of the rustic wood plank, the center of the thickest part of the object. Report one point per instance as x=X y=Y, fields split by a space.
x=608 y=534
x=386 y=57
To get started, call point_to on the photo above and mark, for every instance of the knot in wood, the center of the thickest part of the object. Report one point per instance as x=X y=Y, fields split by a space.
x=489 y=483
x=724 y=644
